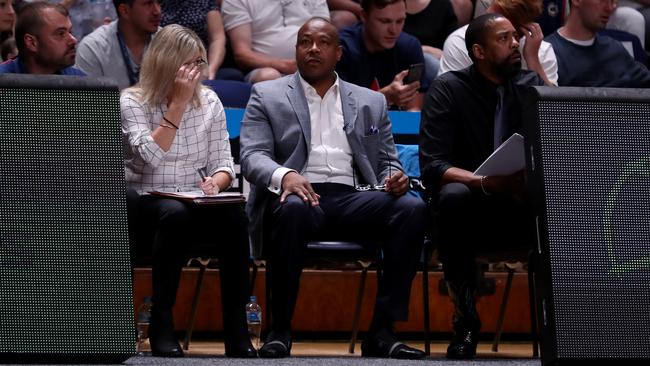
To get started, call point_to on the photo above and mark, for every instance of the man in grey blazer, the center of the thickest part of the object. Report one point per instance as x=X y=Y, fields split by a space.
x=321 y=160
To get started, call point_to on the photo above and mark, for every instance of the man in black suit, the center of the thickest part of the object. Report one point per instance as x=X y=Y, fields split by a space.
x=466 y=116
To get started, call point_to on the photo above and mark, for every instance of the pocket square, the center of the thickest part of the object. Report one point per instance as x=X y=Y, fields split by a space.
x=372 y=130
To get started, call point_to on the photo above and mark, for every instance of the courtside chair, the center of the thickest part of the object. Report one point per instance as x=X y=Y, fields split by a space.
x=203 y=259
x=528 y=259
x=328 y=255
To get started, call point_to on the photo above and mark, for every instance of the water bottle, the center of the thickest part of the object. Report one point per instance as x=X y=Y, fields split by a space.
x=142 y=323
x=254 y=321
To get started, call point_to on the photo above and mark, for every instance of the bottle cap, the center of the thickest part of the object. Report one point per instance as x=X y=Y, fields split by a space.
x=253 y=298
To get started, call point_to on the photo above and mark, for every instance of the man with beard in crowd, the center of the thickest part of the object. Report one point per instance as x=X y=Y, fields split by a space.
x=44 y=41
x=466 y=116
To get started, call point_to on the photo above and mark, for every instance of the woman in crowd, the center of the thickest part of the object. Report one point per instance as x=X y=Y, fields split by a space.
x=431 y=22
x=204 y=18
x=172 y=126
x=7 y=20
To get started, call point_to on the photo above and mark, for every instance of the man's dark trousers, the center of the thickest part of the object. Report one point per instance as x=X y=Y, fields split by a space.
x=396 y=224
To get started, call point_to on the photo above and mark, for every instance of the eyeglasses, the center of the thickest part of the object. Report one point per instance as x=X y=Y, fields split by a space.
x=370 y=187
x=198 y=63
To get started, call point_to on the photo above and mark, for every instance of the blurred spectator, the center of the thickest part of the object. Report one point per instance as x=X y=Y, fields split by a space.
x=586 y=58
x=7 y=16
x=537 y=55
x=431 y=22
x=8 y=49
x=643 y=6
x=344 y=13
x=263 y=33
x=204 y=18
x=463 y=10
x=88 y=15
x=115 y=50
x=628 y=19
x=377 y=54
x=7 y=20
x=44 y=41
x=553 y=14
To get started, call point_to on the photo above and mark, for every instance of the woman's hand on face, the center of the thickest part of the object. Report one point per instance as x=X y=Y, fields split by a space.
x=185 y=83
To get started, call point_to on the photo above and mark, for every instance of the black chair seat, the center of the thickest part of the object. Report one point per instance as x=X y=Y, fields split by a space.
x=339 y=250
x=339 y=255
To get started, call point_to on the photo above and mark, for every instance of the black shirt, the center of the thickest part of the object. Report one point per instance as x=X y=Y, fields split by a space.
x=433 y=24
x=457 y=120
x=360 y=67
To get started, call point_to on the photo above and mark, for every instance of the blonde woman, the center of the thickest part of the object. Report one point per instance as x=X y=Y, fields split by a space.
x=172 y=126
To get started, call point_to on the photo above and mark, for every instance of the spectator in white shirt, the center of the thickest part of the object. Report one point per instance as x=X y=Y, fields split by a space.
x=536 y=55
x=263 y=33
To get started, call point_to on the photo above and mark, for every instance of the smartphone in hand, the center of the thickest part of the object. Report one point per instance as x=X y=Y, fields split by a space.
x=415 y=73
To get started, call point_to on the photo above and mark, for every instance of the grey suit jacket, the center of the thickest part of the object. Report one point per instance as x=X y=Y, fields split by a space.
x=276 y=132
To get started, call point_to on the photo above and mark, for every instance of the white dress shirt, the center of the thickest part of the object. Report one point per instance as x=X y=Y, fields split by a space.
x=330 y=155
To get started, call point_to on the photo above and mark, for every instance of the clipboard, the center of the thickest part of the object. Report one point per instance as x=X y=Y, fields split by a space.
x=507 y=159
x=198 y=198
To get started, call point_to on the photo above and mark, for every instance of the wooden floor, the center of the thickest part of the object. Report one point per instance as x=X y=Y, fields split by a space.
x=340 y=348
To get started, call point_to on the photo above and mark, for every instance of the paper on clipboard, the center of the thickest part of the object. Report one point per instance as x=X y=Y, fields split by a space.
x=198 y=197
x=507 y=159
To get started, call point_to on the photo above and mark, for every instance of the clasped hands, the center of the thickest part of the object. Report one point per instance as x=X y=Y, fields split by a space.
x=294 y=183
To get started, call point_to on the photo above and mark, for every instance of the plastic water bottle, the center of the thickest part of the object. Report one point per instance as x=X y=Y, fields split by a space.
x=142 y=323
x=254 y=320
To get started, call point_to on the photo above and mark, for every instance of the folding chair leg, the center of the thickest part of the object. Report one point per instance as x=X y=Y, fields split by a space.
x=357 y=309
x=195 y=307
x=253 y=278
x=502 y=310
x=532 y=298
x=425 y=307
x=268 y=296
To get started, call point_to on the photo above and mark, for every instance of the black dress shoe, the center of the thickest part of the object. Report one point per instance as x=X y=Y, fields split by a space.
x=245 y=352
x=161 y=336
x=162 y=346
x=389 y=347
x=276 y=346
x=463 y=344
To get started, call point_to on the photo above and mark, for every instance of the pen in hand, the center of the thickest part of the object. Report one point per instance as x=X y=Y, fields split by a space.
x=208 y=188
x=202 y=174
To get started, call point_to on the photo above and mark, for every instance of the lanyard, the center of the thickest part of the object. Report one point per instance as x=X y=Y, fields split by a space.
x=133 y=75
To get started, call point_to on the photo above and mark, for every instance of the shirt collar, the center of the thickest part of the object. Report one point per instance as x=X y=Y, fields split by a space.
x=585 y=43
x=310 y=89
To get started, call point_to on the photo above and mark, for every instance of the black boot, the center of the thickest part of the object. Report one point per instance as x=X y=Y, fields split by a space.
x=466 y=321
x=161 y=334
